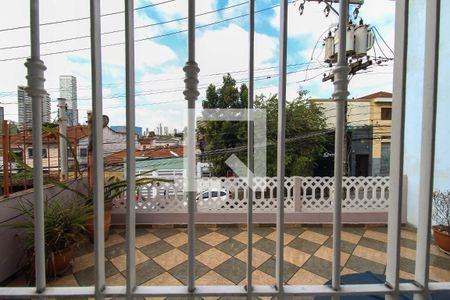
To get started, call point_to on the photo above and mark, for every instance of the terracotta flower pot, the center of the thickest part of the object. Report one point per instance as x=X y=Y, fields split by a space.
x=58 y=262
x=442 y=238
x=90 y=224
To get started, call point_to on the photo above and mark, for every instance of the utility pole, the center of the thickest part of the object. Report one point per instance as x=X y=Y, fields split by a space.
x=62 y=108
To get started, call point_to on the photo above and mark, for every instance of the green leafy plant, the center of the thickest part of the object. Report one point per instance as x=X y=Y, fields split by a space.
x=441 y=210
x=64 y=227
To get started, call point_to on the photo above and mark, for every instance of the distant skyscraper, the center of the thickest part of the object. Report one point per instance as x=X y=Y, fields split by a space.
x=166 y=130
x=68 y=90
x=25 y=113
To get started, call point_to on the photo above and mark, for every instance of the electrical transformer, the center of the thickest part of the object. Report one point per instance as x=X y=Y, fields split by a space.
x=363 y=40
x=330 y=55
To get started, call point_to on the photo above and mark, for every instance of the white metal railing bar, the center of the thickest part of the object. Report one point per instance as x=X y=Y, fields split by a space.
x=35 y=88
x=191 y=93
x=97 y=147
x=281 y=145
x=250 y=148
x=131 y=151
x=431 y=58
x=340 y=96
x=398 y=138
x=204 y=291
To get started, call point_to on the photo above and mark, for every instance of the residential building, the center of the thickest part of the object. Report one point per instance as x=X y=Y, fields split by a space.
x=68 y=90
x=24 y=109
x=368 y=132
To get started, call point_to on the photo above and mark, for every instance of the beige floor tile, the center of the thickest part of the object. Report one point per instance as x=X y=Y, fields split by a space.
x=287 y=237
x=327 y=254
x=370 y=254
x=260 y=278
x=434 y=249
x=212 y=258
x=210 y=298
x=83 y=262
x=154 y=298
x=439 y=274
x=350 y=237
x=346 y=271
x=163 y=279
x=121 y=264
x=212 y=278
x=307 y=278
x=295 y=257
x=375 y=235
x=116 y=280
x=408 y=234
x=242 y=237
x=114 y=239
x=259 y=257
x=68 y=280
x=146 y=239
x=314 y=237
x=408 y=253
x=406 y=275
x=178 y=239
x=213 y=238
x=171 y=259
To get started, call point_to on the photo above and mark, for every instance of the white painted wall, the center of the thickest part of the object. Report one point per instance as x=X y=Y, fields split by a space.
x=414 y=97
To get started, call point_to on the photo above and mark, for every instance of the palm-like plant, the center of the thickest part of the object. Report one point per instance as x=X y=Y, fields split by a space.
x=441 y=210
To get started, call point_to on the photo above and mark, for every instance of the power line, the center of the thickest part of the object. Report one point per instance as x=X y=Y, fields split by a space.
x=85 y=18
x=147 y=38
x=123 y=30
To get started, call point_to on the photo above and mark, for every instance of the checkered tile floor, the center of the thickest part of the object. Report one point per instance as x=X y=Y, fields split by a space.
x=161 y=256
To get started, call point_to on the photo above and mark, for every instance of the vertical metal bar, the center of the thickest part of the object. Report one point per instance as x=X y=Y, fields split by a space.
x=398 y=137
x=250 y=147
x=131 y=151
x=340 y=95
x=97 y=147
x=36 y=90
x=281 y=145
x=5 y=128
x=430 y=83
x=191 y=93
x=63 y=137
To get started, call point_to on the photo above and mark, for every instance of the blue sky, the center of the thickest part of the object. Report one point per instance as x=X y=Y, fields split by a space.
x=221 y=48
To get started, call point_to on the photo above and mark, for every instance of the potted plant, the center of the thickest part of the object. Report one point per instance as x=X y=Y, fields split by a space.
x=114 y=188
x=63 y=230
x=441 y=217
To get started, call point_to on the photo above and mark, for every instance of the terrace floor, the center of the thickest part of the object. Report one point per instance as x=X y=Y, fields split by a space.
x=161 y=256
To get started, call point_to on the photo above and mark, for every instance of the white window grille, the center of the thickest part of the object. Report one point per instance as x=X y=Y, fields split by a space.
x=421 y=288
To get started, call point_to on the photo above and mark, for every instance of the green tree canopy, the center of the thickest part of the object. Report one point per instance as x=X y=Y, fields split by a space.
x=302 y=118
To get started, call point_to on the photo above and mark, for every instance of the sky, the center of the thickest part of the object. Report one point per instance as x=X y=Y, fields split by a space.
x=161 y=52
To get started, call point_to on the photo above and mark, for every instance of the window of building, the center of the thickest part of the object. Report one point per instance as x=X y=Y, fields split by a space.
x=30 y=153
x=386 y=113
x=83 y=152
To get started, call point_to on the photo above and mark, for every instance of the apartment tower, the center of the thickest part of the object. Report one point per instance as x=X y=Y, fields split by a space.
x=68 y=91
x=25 y=113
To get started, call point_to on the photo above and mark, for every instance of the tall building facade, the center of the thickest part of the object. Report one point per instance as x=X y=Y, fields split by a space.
x=25 y=112
x=68 y=91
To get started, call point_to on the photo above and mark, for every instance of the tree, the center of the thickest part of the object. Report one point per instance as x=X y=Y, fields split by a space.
x=224 y=134
x=302 y=117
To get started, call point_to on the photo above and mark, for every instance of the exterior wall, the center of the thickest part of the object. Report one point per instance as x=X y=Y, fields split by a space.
x=112 y=142
x=414 y=98
x=381 y=132
x=51 y=161
x=357 y=110
x=11 y=252
x=361 y=144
